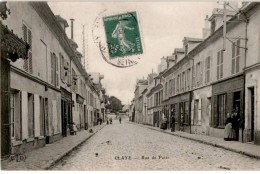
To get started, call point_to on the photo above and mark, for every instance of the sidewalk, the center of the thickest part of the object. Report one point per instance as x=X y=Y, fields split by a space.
x=250 y=150
x=46 y=157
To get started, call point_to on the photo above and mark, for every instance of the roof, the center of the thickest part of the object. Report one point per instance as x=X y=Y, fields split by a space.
x=178 y=50
x=190 y=39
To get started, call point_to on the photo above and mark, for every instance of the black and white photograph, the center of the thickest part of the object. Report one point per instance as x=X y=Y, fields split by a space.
x=130 y=85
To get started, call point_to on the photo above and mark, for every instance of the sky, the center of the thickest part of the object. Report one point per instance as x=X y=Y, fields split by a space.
x=163 y=26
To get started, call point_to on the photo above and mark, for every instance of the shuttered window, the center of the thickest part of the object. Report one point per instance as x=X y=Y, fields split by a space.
x=27 y=37
x=53 y=69
x=62 y=72
x=220 y=64
x=207 y=74
x=235 y=56
x=57 y=71
x=15 y=112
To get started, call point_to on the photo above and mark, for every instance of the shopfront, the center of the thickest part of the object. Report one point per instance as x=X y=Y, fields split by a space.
x=228 y=96
x=179 y=107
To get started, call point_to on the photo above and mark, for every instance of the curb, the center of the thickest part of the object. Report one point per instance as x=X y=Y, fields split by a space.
x=201 y=141
x=52 y=164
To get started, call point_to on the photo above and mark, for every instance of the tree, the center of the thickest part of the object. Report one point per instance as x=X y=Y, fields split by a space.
x=114 y=104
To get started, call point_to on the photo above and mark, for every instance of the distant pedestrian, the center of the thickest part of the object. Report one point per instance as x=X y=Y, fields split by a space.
x=173 y=123
x=229 y=132
x=110 y=120
x=107 y=121
x=74 y=129
x=120 y=120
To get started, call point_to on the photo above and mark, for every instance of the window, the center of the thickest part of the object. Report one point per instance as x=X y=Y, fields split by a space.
x=74 y=81
x=207 y=74
x=196 y=109
x=177 y=85
x=186 y=49
x=173 y=87
x=235 y=56
x=184 y=112
x=221 y=109
x=183 y=82
x=170 y=88
x=43 y=109
x=187 y=80
x=54 y=70
x=198 y=74
x=27 y=37
x=31 y=115
x=15 y=112
x=220 y=64
x=62 y=72
x=165 y=91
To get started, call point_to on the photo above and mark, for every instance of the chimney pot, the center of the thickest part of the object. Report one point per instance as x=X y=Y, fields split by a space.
x=72 y=20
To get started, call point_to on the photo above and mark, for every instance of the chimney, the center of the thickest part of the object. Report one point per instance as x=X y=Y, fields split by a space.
x=206 y=29
x=72 y=20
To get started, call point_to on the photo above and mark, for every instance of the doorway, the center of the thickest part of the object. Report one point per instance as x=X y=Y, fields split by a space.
x=252 y=113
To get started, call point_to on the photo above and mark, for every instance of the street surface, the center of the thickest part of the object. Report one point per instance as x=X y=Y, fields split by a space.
x=130 y=147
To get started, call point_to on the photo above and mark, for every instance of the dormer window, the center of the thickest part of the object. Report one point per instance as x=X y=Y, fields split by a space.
x=186 y=49
x=213 y=26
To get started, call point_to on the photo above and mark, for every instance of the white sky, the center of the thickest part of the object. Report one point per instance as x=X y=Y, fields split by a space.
x=163 y=25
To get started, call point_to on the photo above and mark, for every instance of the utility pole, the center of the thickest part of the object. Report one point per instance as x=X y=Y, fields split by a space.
x=84 y=47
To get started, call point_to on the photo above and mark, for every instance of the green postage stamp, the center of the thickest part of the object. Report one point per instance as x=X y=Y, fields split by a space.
x=122 y=35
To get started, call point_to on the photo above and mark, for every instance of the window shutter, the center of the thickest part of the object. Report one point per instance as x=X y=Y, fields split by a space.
x=215 y=111
x=57 y=70
x=61 y=67
x=52 y=69
x=30 y=51
x=25 y=65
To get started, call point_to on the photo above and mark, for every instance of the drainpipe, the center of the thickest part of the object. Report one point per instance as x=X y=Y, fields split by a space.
x=244 y=93
x=191 y=95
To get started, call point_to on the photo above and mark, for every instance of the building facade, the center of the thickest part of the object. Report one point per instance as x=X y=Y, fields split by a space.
x=51 y=89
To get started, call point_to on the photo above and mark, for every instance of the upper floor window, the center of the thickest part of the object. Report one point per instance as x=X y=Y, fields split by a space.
x=220 y=64
x=27 y=37
x=165 y=91
x=207 y=74
x=75 y=80
x=198 y=74
x=188 y=79
x=173 y=86
x=183 y=82
x=186 y=49
x=235 y=56
x=54 y=70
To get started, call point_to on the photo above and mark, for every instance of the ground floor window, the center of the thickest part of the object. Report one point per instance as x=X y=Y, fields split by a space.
x=196 y=112
x=15 y=112
x=221 y=109
x=31 y=115
x=184 y=112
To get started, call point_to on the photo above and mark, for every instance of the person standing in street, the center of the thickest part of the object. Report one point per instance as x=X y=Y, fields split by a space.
x=229 y=132
x=120 y=120
x=235 y=125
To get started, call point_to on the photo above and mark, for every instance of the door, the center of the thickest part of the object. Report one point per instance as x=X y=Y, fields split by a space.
x=64 y=118
x=5 y=108
x=252 y=113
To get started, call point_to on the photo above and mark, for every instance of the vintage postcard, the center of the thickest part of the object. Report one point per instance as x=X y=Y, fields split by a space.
x=130 y=86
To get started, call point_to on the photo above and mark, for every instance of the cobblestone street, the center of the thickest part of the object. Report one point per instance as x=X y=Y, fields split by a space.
x=130 y=147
